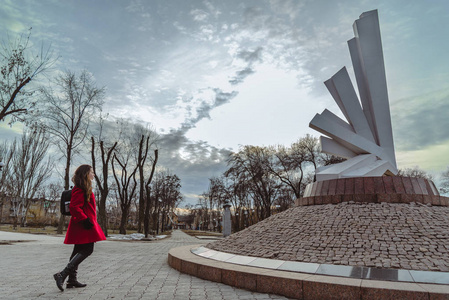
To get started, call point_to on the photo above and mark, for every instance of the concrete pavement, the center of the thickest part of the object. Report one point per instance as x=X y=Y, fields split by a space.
x=116 y=270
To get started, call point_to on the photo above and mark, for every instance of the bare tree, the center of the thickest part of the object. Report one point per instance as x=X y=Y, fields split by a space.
x=125 y=177
x=69 y=110
x=250 y=165
x=27 y=171
x=148 y=203
x=445 y=182
x=166 y=194
x=289 y=166
x=102 y=184
x=415 y=172
x=147 y=138
x=53 y=192
x=18 y=67
x=5 y=158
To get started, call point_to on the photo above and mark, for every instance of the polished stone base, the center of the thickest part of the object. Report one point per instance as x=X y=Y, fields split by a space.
x=389 y=189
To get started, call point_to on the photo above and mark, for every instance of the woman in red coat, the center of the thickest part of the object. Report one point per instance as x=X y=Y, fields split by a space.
x=83 y=230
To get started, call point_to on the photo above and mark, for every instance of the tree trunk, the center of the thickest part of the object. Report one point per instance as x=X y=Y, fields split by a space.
x=66 y=187
x=146 y=220
x=102 y=216
x=141 y=213
x=123 y=221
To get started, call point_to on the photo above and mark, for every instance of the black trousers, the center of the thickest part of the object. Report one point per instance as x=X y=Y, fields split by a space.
x=84 y=249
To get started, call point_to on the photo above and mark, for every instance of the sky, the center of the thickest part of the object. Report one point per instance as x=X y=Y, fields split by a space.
x=211 y=76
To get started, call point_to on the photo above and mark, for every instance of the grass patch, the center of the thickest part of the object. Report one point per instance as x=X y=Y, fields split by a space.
x=49 y=230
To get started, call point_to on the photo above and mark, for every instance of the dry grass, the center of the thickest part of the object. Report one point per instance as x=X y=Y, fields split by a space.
x=52 y=230
x=35 y=230
x=202 y=233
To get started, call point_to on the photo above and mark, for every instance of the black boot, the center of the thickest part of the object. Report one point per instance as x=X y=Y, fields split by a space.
x=69 y=269
x=73 y=281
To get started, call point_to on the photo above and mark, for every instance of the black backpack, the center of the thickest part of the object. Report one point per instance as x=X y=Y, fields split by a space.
x=65 y=202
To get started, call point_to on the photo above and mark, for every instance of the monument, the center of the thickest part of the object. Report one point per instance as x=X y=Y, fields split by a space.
x=366 y=139
x=359 y=231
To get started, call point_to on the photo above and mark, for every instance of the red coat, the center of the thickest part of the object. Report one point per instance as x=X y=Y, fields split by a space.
x=81 y=210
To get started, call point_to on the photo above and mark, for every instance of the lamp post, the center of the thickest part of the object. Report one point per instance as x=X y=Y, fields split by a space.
x=226 y=219
x=245 y=212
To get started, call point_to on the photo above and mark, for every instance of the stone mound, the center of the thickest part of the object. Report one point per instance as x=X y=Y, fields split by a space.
x=385 y=235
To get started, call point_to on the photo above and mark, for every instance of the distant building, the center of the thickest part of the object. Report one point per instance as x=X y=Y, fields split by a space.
x=40 y=210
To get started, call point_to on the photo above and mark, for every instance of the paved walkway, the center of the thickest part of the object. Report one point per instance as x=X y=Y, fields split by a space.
x=116 y=270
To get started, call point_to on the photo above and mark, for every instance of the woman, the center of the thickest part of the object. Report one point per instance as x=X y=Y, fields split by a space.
x=83 y=230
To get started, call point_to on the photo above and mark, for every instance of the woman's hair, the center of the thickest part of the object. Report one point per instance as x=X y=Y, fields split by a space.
x=81 y=179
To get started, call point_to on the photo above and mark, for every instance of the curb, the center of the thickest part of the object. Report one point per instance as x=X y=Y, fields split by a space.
x=298 y=285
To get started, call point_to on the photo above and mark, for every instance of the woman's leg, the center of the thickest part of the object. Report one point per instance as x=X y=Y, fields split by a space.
x=82 y=250
x=85 y=249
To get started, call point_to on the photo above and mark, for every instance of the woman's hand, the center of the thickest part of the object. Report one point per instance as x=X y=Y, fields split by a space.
x=87 y=224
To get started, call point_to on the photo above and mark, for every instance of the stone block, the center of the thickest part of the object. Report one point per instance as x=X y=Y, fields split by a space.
x=435 y=200
x=190 y=268
x=347 y=198
x=373 y=289
x=360 y=197
x=416 y=188
x=313 y=190
x=408 y=185
x=319 y=186
x=323 y=287
x=368 y=185
x=349 y=186
x=247 y=281
x=335 y=199
x=408 y=198
x=444 y=201
x=369 y=198
x=209 y=273
x=390 y=294
x=422 y=185
x=303 y=201
x=340 y=190
x=326 y=199
x=382 y=198
x=291 y=288
x=378 y=185
x=174 y=262
x=325 y=188
x=395 y=198
x=398 y=185
x=228 y=277
x=332 y=187
x=388 y=184
x=358 y=186
x=425 y=200
x=429 y=188
x=418 y=198
x=310 y=200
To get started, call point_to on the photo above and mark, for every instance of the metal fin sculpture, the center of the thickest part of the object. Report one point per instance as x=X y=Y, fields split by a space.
x=366 y=139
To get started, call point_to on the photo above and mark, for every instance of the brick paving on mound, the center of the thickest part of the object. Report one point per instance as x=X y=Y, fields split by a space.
x=385 y=235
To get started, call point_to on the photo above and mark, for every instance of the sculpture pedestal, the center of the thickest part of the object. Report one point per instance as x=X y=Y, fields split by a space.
x=391 y=189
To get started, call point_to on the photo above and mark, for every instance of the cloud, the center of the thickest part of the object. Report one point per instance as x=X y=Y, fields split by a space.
x=193 y=161
x=250 y=58
x=420 y=121
x=203 y=110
